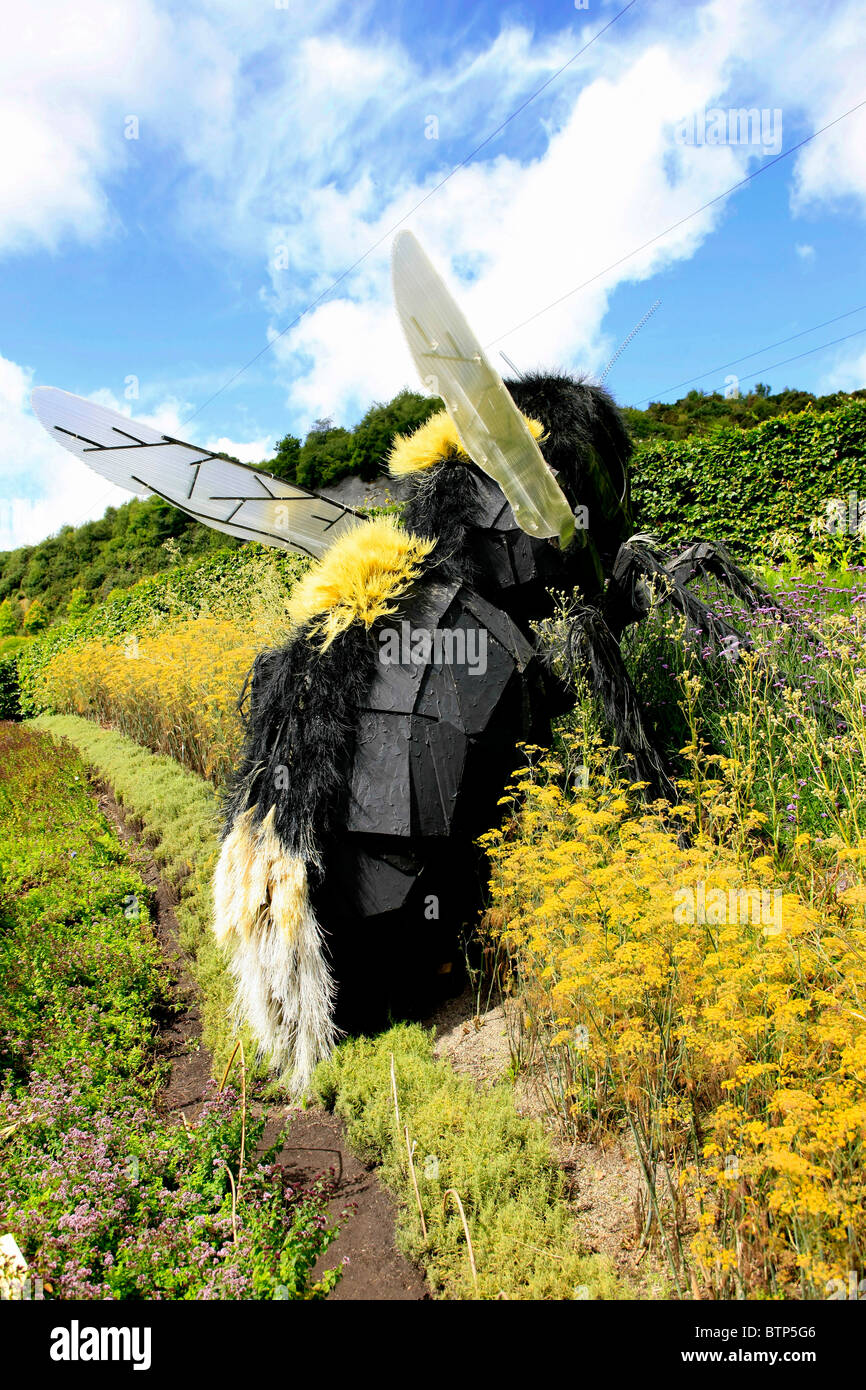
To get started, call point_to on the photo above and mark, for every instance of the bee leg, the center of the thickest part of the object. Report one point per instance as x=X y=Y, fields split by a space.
x=712 y=559
x=590 y=648
x=641 y=577
x=393 y=914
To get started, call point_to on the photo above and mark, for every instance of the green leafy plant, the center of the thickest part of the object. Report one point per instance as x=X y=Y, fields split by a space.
x=749 y=487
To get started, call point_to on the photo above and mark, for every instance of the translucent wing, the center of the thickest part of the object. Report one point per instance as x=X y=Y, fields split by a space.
x=228 y=496
x=452 y=363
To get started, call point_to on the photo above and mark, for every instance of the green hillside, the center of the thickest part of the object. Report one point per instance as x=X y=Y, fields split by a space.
x=703 y=412
x=82 y=565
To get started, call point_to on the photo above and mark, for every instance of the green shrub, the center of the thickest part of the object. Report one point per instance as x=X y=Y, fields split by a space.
x=10 y=617
x=10 y=693
x=177 y=814
x=758 y=489
x=220 y=584
x=35 y=619
x=11 y=646
x=78 y=605
x=104 y=1198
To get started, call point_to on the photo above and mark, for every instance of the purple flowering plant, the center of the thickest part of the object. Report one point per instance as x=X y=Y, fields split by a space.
x=106 y=1197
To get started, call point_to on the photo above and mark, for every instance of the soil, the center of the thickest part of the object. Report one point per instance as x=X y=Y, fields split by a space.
x=374 y=1269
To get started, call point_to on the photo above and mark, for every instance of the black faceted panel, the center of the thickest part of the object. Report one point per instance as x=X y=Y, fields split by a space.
x=436 y=758
x=380 y=797
x=439 y=735
x=501 y=626
x=438 y=695
x=479 y=692
x=380 y=886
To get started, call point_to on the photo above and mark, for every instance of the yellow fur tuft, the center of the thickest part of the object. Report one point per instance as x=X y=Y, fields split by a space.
x=434 y=441
x=359 y=579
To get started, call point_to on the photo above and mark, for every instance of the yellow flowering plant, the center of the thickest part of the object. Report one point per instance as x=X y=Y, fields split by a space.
x=694 y=975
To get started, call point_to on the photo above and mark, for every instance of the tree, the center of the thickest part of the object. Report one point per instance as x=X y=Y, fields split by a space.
x=78 y=605
x=374 y=435
x=136 y=539
x=35 y=619
x=285 y=462
x=325 y=455
x=10 y=617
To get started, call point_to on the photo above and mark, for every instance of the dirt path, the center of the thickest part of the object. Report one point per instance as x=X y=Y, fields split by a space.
x=375 y=1269
x=604 y=1182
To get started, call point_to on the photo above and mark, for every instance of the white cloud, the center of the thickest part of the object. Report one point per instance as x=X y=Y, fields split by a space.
x=342 y=358
x=609 y=177
x=303 y=129
x=247 y=451
x=545 y=226
x=67 y=491
x=263 y=108
x=848 y=373
x=68 y=77
x=805 y=252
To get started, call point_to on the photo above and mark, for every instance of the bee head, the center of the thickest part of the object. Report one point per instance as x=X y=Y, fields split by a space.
x=584 y=441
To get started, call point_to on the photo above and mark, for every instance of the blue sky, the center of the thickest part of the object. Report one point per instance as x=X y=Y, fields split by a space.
x=273 y=147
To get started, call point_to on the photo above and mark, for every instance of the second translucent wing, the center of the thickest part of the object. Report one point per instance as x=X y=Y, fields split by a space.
x=226 y=496
x=453 y=365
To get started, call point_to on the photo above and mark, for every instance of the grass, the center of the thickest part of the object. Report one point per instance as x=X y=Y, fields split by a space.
x=105 y=1199
x=475 y=1144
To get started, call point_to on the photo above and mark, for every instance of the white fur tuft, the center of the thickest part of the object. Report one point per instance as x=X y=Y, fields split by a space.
x=283 y=987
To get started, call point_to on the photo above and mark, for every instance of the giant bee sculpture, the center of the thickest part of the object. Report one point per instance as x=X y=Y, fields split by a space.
x=380 y=736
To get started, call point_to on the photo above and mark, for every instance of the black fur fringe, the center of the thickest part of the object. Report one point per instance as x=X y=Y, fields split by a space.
x=588 y=446
x=587 y=648
x=639 y=564
x=442 y=507
x=300 y=706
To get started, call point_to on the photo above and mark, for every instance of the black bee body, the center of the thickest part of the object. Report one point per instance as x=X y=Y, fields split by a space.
x=395 y=754
x=434 y=744
x=380 y=736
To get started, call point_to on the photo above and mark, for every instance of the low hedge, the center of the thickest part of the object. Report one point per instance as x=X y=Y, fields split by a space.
x=224 y=583
x=757 y=489
x=177 y=815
